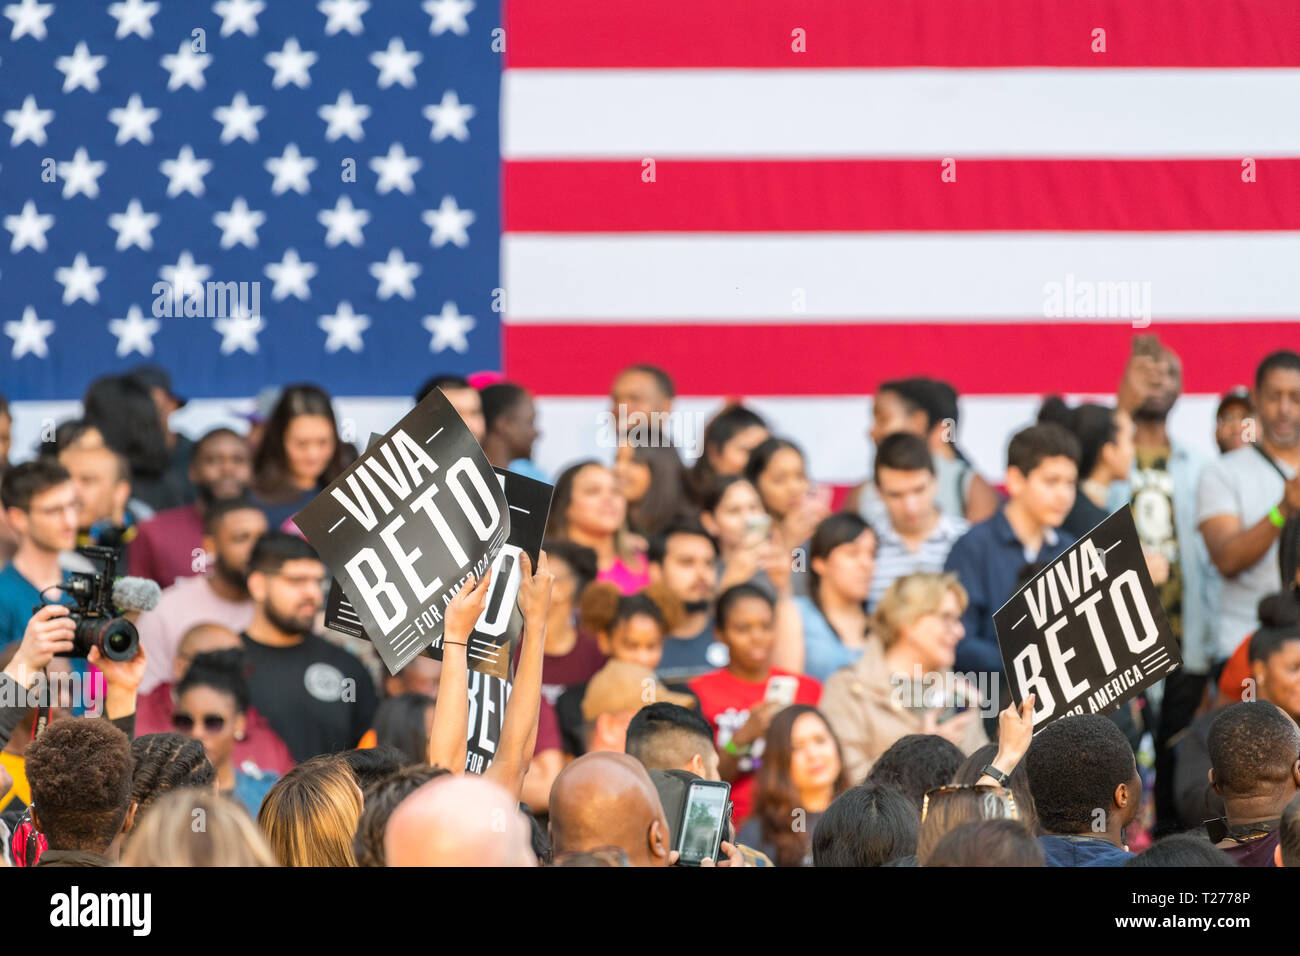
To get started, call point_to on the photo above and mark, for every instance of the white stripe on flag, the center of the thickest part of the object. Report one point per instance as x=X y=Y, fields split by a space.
x=943 y=276
x=1079 y=113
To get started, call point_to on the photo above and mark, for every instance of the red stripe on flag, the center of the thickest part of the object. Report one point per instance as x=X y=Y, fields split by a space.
x=852 y=33
x=838 y=359
x=876 y=195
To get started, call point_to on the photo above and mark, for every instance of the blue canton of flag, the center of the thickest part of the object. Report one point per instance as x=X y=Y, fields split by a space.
x=248 y=192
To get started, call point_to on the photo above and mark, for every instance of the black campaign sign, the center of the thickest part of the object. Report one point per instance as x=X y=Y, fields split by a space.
x=404 y=526
x=1088 y=632
x=497 y=631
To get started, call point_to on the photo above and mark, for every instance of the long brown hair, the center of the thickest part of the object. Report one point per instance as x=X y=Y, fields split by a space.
x=310 y=816
x=777 y=798
x=557 y=524
x=271 y=477
x=665 y=500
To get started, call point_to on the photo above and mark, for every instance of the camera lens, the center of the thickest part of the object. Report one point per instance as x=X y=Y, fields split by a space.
x=118 y=639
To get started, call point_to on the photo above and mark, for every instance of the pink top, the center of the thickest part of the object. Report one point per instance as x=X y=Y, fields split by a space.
x=624 y=578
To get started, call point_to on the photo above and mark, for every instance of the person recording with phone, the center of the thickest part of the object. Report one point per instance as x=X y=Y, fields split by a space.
x=733 y=514
x=777 y=469
x=741 y=699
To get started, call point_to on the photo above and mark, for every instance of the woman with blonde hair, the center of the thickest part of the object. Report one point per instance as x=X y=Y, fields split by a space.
x=903 y=683
x=197 y=828
x=310 y=816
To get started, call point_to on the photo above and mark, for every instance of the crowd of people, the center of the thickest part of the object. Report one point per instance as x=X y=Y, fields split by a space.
x=829 y=654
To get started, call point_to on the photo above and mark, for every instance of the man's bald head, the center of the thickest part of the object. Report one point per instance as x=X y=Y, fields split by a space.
x=607 y=799
x=458 y=821
x=203 y=639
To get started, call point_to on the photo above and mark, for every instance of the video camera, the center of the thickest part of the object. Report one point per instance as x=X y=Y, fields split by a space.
x=94 y=607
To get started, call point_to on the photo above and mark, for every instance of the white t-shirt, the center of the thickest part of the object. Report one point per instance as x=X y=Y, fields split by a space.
x=1242 y=483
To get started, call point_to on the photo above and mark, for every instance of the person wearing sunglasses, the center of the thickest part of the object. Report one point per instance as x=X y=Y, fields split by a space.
x=212 y=707
x=945 y=808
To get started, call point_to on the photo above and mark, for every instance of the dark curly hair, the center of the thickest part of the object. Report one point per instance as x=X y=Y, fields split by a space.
x=80 y=775
x=222 y=671
x=166 y=762
x=916 y=763
x=1074 y=766
x=381 y=799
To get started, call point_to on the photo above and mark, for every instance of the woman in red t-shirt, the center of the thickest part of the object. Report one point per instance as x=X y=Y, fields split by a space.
x=741 y=699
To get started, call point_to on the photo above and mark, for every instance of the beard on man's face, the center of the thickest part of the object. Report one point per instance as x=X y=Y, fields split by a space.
x=695 y=607
x=287 y=623
x=1156 y=407
x=230 y=574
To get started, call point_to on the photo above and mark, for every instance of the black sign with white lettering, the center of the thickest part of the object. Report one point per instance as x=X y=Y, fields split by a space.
x=497 y=631
x=1088 y=632
x=492 y=647
x=404 y=526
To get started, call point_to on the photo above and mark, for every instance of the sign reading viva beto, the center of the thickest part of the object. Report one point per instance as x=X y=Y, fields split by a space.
x=406 y=524
x=1088 y=632
x=498 y=629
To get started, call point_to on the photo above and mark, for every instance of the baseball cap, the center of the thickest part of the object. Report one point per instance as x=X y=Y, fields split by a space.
x=263 y=405
x=155 y=376
x=620 y=687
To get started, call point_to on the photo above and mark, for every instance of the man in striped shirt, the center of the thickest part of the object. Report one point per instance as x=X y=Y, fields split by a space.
x=916 y=535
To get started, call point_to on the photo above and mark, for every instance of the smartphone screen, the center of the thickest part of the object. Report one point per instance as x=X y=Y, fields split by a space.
x=781 y=689
x=702 y=822
x=757 y=528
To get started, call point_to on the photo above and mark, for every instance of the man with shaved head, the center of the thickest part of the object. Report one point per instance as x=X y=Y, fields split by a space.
x=1255 y=767
x=607 y=799
x=459 y=821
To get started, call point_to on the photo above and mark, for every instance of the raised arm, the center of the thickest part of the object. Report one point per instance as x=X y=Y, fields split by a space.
x=1015 y=732
x=448 y=740
x=519 y=725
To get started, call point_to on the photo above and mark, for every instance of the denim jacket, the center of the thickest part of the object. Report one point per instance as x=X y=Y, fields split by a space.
x=1201 y=581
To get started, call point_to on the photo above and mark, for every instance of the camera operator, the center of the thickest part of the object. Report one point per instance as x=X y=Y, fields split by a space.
x=40 y=502
x=107 y=516
x=49 y=632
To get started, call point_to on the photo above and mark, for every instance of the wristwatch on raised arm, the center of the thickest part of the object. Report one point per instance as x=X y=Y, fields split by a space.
x=1004 y=780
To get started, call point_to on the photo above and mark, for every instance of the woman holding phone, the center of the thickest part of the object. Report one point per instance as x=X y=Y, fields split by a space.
x=778 y=471
x=740 y=700
x=903 y=683
x=802 y=772
x=733 y=515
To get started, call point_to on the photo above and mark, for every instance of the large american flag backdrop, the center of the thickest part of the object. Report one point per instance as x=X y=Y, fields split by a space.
x=782 y=201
